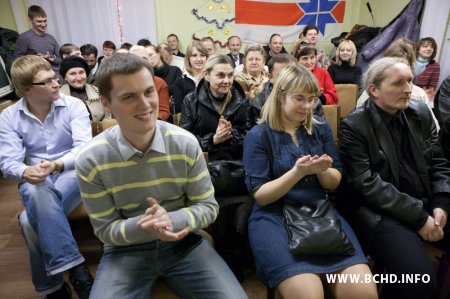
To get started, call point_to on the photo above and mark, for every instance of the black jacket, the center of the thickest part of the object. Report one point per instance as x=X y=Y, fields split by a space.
x=169 y=74
x=268 y=56
x=372 y=171
x=200 y=117
x=182 y=87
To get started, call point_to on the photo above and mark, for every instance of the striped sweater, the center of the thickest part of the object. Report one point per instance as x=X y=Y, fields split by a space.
x=115 y=179
x=429 y=77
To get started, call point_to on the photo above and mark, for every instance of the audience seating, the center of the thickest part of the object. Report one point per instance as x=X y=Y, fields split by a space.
x=348 y=95
x=97 y=128
x=176 y=118
x=332 y=115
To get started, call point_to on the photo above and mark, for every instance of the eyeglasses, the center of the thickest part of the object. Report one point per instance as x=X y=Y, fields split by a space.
x=301 y=100
x=48 y=82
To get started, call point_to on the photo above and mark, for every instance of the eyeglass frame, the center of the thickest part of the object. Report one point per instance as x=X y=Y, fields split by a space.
x=309 y=101
x=47 y=82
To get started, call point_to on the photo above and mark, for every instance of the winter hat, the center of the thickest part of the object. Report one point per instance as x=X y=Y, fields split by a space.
x=71 y=62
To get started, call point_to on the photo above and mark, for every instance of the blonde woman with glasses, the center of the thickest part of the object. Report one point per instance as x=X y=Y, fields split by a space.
x=304 y=163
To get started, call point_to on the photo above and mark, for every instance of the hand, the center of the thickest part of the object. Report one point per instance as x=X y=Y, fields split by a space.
x=313 y=164
x=320 y=56
x=440 y=217
x=430 y=93
x=47 y=56
x=157 y=222
x=39 y=172
x=223 y=131
x=430 y=231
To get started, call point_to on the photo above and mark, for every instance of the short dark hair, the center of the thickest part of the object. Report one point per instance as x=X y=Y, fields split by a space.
x=305 y=50
x=118 y=64
x=144 y=42
x=173 y=34
x=66 y=49
x=126 y=46
x=89 y=49
x=109 y=44
x=280 y=58
x=310 y=27
x=36 y=11
x=272 y=36
x=433 y=43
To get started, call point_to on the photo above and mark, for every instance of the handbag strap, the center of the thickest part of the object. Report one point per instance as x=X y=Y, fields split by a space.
x=268 y=146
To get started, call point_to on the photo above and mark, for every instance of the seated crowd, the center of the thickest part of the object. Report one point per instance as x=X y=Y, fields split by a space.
x=145 y=183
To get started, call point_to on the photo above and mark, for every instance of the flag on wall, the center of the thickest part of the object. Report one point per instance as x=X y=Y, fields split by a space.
x=257 y=20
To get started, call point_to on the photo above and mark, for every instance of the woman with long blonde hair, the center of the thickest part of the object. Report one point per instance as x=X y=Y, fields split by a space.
x=194 y=65
x=300 y=165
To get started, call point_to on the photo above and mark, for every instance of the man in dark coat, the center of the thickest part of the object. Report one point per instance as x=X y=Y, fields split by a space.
x=397 y=180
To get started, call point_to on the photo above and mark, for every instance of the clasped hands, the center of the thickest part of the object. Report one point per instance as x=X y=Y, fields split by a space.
x=223 y=131
x=39 y=172
x=156 y=221
x=433 y=229
x=316 y=164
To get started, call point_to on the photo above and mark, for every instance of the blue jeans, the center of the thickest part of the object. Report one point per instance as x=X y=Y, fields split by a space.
x=52 y=248
x=131 y=272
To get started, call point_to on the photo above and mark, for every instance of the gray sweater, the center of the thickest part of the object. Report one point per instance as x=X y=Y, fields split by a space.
x=115 y=179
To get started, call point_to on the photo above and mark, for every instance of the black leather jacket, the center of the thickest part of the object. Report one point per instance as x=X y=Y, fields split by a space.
x=368 y=153
x=200 y=117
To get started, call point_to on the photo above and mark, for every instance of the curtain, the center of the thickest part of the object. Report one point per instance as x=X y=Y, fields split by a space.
x=87 y=21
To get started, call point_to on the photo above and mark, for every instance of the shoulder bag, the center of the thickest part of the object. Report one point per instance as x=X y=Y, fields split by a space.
x=312 y=227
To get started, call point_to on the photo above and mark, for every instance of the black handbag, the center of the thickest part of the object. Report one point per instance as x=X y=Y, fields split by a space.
x=228 y=177
x=312 y=227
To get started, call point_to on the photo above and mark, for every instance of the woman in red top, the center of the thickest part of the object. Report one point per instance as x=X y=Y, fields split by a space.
x=307 y=56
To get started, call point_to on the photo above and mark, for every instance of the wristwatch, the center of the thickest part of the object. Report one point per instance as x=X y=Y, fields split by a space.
x=59 y=166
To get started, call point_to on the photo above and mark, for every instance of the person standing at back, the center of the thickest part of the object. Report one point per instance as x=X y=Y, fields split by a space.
x=37 y=41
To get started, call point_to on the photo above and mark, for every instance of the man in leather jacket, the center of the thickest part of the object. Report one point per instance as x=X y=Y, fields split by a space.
x=397 y=185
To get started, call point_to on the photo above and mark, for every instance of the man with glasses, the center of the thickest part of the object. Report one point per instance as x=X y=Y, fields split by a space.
x=39 y=138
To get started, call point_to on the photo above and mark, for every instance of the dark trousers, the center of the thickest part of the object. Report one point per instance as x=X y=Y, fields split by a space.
x=400 y=250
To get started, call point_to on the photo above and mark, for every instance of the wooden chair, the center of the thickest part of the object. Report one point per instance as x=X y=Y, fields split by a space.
x=176 y=118
x=332 y=115
x=97 y=128
x=348 y=95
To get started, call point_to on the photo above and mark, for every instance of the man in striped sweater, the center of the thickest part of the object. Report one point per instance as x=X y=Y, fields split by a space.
x=37 y=41
x=147 y=190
